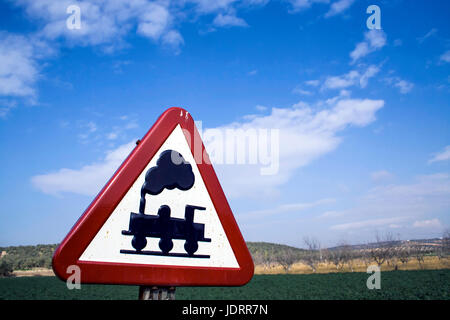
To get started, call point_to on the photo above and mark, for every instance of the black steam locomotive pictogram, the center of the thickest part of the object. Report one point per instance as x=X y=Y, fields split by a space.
x=171 y=171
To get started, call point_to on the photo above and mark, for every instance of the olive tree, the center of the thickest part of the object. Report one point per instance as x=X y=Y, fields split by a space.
x=384 y=248
x=313 y=254
x=286 y=258
x=443 y=250
x=404 y=252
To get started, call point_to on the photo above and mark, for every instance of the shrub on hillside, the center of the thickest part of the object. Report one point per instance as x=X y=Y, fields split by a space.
x=5 y=268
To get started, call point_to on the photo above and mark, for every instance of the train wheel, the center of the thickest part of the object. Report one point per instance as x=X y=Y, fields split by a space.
x=165 y=245
x=139 y=242
x=191 y=247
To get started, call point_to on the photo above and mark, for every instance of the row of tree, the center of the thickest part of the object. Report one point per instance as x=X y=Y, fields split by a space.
x=386 y=250
x=25 y=258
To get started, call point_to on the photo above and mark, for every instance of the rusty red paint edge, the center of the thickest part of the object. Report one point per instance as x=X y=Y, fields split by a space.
x=87 y=226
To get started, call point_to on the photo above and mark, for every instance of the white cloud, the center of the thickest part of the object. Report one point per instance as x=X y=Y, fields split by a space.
x=153 y=21
x=427 y=35
x=381 y=175
x=112 y=136
x=338 y=7
x=305 y=134
x=404 y=86
x=369 y=73
x=106 y=23
x=208 y=6
x=344 y=81
x=289 y=207
x=298 y=5
x=351 y=78
x=87 y=130
x=372 y=223
x=445 y=56
x=103 y=22
x=444 y=155
x=424 y=186
x=373 y=40
x=299 y=90
x=256 y=2
x=427 y=195
x=342 y=94
x=132 y=124
x=6 y=105
x=91 y=126
x=433 y=223
x=312 y=83
x=18 y=67
x=174 y=40
x=118 y=66
x=99 y=133
x=260 y=108
x=87 y=180
x=331 y=214
x=229 y=20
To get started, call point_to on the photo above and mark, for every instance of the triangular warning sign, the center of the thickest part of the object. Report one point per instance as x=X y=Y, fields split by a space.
x=162 y=219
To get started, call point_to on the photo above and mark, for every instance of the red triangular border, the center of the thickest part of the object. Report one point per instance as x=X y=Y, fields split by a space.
x=109 y=197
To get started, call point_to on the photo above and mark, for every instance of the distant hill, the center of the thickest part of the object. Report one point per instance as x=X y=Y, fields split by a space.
x=40 y=256
x=256 y=247
x=425 y=243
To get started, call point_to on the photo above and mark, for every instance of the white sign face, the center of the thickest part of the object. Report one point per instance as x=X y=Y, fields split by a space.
x=113 y=242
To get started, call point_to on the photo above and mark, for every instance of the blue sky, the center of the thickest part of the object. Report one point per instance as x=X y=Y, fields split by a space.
x=363 y=114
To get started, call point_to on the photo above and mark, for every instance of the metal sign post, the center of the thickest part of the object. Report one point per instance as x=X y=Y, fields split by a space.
x=156 y=293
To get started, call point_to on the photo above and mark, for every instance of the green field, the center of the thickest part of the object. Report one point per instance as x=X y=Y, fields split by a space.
x=424 y=284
